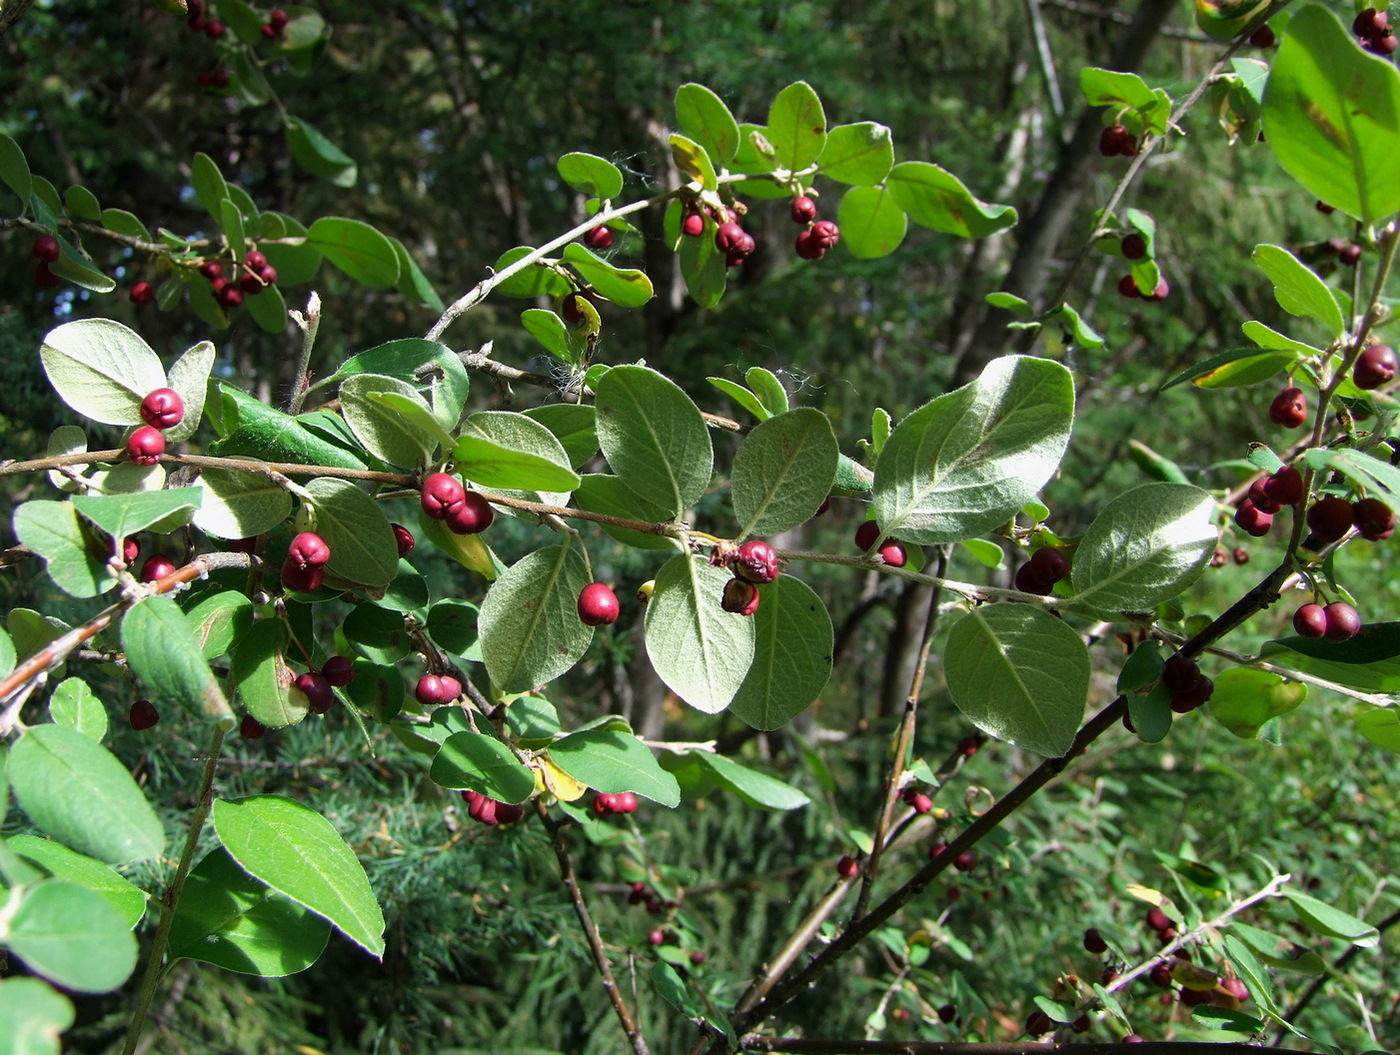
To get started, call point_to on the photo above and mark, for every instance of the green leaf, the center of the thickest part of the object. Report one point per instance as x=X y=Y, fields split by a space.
x=936 y=199
x=259 y=673
x=189 y=376
x=693 y=162
x=1370 y=661
x=59 y=861
x=1278 y=952
x=572 y=424
x=1012 y=303
x=1332 y=114
x=1254 y=976
x=121 y=515
x=508 y=451
x=796 y=126
x=294 y=850
x=415 y=361
x=73 y=936
x=1144 y=547
x=700 y=651
x=82 y=204
x=783 y=471
x=251 y=427
x=599 y=493
x=529 y=624
x=14 y=171
x=654 y=437
x=220 y=619
x=357 y=249
x=861 y=154
x=537 y=280
x=209 y=184
x=166 y=656
x=757 y=789
x=32 y=1015
x=626 y=287
x=1110 y=88
x=412 y=282
x=970 y=459
x=703 y=117
x=1019 y=674
x=78 y=268
x=1245 y=698
x=872 y=223
x=610 y=759
x=228 y=918
x=1366 y=471
x=768 y=389
x=73 y=705
x=1235 y=368
x=231 y=220
x=704 y=268
x=792 y=655
x=240 y=504
x=101 y=369
x=1224 y=1019
x=378 y=633
x=985 y=552
x=75 y=790
x=480 y=763
x=51 y=529
x=268 y=310
x=318 y=155
x=355 y=528
x=1298 y=289
x=1324 y=919
x=1265 y=337
x=1076 y=329
x=742 y=396
x=1381 y=726
x=591 y=175
x=549 y=329
x=385 y=432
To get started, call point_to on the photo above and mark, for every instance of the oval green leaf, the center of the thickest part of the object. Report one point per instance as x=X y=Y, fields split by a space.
x=477 y=762
x=872 y=224
x=796 y=126
x=529 y=624
x=792 y=655
x=73 y=936
x=167 y=657
x=355 y=528
x=860 y=154
x=936 y=199
x=357 y=249
x=610 y=759
x=700 y=651
x=783 y=471
x=101 y=369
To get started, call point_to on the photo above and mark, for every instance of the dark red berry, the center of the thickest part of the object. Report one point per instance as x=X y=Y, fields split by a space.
x=403 y=538
x=1310 y=620
x=1093 y=942
x=866 y=535
x=697 y=958
x=254 y=260
x=1329 y=519
x=1179 y=673
x=1048 y=564
x=1027 y=581
x=163 y=408
x=211 y=269
x=826 y=232
x=339 y=670
x=917 y=800
x=936 y=850
x=1113 y=140
x=472 y=516
x=1161 y=975
x=1369 y=22
x=1343 y=622
x=1252 y=520
x=965 y=861
x=317 y=689
x=1373 y=519
x=214 y=29
x=1325 y=209
x=130 y=549
x=1349 y=255
x=1259 y=495
x=740 y=597
x=756 y=561
x=892 y=553
x=230 y=296
x=145 y=445
x=437 y=688
x=47 y=248
x=309 y=550
x=142 y=293
x=848 y=867
x=45 y=278
x=693 y=226
x=1286 y=486
x=1133 y=246
x=1157 y=919
x=302 y=580
x=143 y=715
x=804 y=209
x=728 y=237
x=1038 y=1023
x=598 y=238
x=268 y=274
x=1375 y=367
x=219 y=78
x=491 y=811
x=251 y=285
x=1263 y=37
x=1235 y=988
x=156 y=566
x=968 y=746
x=442 y=493
x=598 y=605
x=947 y=1013
x=1240 y=555
x=808 y=247
x=251 y=728
x=1128 y=287
x=277 y=19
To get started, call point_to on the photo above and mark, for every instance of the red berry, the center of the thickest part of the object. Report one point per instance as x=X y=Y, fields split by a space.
x=947 y=1013
x=1349 y=254
x=1263 y=37
x=1343 y=622
x=936 y=850
x=598 y=238
x=157 y=566
x=251 y=285
x=1160 y=293
x=698 y=957
x=130 y=549
x=917 y=801
x=254 y=260
x=892 y=553
x=45 y=278
x=1048 y=564
x=211 y=269
x=1112 y=140
x=196 y=23
x=598 y=605
x=1373 y=519
x=442 y=492
x=1325 y=209
x=1157 y=919
x=1240 y=555
x=1385 y=44
x=251 y=729
x=268 y=274
x=1038 y=1023
x=1179 y=673
x=965 y=861
x=214 y=29
x=1329 y=519
x=1133 y=246
x=277 y=19
x=1028 y=582
x=1259 y=495
x=145 y=445
x=866 y=535
x=219 y=78
x=302 y=580
x=1235 y=988
x=693 y=226
x=1093 y=942
x=1310 y=620
x=968 y=746
x=625 y=802
x=437 y=688
x=1375 y=367
x=848 y=867
x=756 y=562
x=309 y=550
x=808 y=247
x=143 y=715
x=339 y=670
x=47 y=248
x=1286 y=486
x=317 y=689
x=404 y=539
x=804 y=209
x=1369 y=22
x=163 y=408
x=740 y=597
x=1127 y=287
x=657 y=937
x=1161 y=975
x=473 y=516
x=230 y=296
x=1252 y=520
x=728 y=237
x=142 y=293
x=826 y=232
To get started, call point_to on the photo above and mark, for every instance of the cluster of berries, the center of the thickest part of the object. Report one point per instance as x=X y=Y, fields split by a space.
x=316 y=685
x=733 y=241
x=1128 y=287
x=1190 y=688
x=492 y=811
x=435 y=689
x=891 y=551
x=819 y=236
x=464 y=512
x=1374 y=32
x=1116 y=141
x=1046 y=567
x=607 y=805
x=1337 y=621
x=160 y=410
x=198 y=23
x=254 y=276
x=1266 y=496
x=754 y=563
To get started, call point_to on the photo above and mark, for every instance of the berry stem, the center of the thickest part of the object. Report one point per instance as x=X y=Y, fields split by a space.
x=154 y=968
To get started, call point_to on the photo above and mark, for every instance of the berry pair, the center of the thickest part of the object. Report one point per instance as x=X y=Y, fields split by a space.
x=1116 y=140
x=161 y=409
x=492 y=811
x=891 y=551
x=1046 y=567
x=1128 y=287
x=1189 y=687
x=1374 y=32
x=1337 y=621
x=464 y=512
x=734 y=242
x=605 y=804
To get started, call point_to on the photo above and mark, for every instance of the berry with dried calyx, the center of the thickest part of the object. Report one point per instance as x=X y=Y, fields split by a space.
x=917 y=801
x=1343 y=622
x=472 y=516
x=1048 y=565
x=47 y=248
x=826 y=233
x=803 y=210
x=316 y=687
x=598 y=605
x=442 y=492
x=157 y=566
x=145 y=445
x=1310 y=620
x=309 y=550
x=1329 y=519
x=403 y=539
x=1259 y=494
x=756 y=561
x=339 y=670
x=1252 y=520
x=491 y=811
x=1240 y=555
x=162 y=408
x=809 y=247
x=1376 y=366
x=143 y=715
x=740 y=597
x=437 y=688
